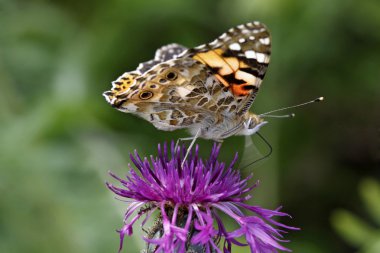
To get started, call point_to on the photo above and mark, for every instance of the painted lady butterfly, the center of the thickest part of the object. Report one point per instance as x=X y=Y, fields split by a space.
x=207 y=89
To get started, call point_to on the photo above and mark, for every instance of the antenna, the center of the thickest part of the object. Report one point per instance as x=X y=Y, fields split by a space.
x=289 y=107
x=292 y=115
x=262 y=158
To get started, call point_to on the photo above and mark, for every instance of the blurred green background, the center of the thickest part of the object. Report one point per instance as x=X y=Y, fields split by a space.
x=58 y=136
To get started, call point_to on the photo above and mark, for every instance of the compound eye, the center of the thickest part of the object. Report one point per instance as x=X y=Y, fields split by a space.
x=171 y=75
x=146 y=95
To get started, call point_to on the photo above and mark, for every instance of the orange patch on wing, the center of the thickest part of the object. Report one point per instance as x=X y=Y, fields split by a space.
x=227 y=66
x=238 y=90
x=214 y=59
x=243 y=65
x=210 y=58
x=233 y=62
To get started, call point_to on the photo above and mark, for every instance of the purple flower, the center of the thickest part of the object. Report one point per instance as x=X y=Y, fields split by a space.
x=189 y=201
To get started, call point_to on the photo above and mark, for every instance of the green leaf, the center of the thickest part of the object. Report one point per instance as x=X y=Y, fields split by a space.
x=370 y=193
x=354 y=230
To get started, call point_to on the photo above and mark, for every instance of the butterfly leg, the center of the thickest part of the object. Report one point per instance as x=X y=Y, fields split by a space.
x=252 y=125
x=249 y=130
x=182 y=139
x=191 y=146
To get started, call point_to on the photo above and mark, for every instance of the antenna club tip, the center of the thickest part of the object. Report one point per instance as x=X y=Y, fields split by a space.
x=292 y=115
x=319 y=99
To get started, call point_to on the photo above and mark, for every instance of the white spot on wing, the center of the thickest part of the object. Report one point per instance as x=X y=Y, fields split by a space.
x=250 y=54
x=214 y=43
x=235 y=47
x=200 y=47
x=262 y=58
x=241 y=40
x=182 y=91
x=265 y=41
x=130 y=107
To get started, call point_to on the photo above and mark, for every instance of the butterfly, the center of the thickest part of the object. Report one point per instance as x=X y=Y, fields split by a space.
x=207 y=90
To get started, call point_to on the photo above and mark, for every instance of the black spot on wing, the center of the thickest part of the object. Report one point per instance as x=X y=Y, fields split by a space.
x=250 y=87
x=251 y=71
x=231 y=79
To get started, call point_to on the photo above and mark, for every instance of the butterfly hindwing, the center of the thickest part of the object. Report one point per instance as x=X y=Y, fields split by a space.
x=164 y=53
x=169 y=52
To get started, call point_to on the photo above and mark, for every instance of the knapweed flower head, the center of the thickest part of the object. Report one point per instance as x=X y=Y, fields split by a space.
x=189 y=197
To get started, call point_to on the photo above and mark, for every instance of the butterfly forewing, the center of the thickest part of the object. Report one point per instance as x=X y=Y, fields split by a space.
x=239 y=59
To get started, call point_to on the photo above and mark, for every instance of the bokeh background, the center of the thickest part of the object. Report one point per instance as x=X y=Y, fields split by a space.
x=58 y=136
